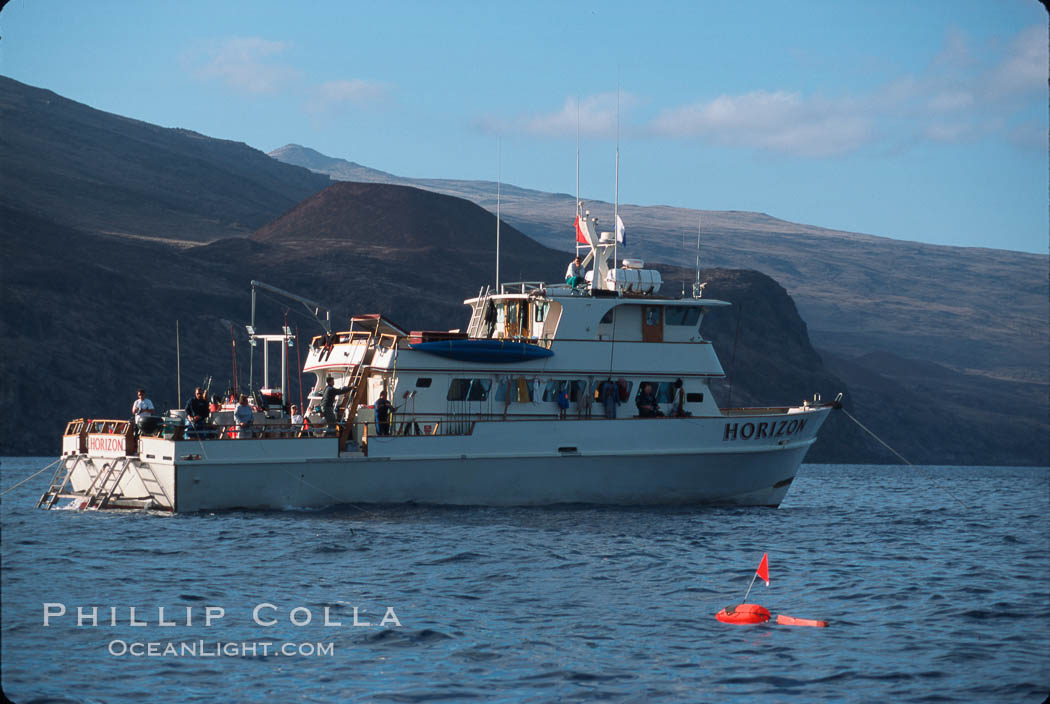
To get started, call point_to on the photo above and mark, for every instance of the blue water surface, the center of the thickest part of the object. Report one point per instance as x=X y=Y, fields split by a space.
x=936 y=583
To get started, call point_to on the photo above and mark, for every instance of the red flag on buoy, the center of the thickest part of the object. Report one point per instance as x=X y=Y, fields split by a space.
x=763 y=568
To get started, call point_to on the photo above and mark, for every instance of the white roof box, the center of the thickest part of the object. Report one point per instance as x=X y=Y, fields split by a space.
x=635 y=280
x=633 y=264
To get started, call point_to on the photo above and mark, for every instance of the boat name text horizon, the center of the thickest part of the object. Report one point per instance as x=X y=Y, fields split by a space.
x=748 y=431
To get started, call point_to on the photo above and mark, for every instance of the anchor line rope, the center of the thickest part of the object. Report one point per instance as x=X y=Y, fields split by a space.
x=338 y=500
x=33 y=475
x=902 y=457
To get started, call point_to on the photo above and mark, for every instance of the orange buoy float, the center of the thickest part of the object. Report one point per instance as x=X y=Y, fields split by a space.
x=743 y=614
x=792 y=621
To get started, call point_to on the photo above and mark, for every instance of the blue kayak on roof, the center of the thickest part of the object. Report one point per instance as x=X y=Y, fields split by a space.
x=486 y=351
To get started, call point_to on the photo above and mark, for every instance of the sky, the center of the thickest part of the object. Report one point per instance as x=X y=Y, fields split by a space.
x=922 y=121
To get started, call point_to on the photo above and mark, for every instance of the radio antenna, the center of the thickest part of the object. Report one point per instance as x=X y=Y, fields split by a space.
x=499 y=180
x=577 y=239
x=698 y=289
x=616 y=196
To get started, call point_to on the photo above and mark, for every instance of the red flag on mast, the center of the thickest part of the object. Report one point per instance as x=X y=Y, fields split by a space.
x=579 y=232
x=763 y=569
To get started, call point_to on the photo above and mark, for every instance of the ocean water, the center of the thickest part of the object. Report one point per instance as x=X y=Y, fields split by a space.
x=936 y=583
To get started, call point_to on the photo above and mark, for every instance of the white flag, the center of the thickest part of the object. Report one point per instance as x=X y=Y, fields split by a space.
x=621 y=234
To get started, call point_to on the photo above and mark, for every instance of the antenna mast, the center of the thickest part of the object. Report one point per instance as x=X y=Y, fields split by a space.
x=616 y=197
x=697 y=288
x=499 y=181
x=576 y=239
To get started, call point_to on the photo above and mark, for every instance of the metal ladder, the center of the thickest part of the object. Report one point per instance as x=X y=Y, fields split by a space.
x=59 y=480
x=359 y=394
x=106 y=483
x=155 y=493
x=479 y=312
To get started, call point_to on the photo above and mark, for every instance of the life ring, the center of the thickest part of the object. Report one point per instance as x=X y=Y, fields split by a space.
x=743 y=614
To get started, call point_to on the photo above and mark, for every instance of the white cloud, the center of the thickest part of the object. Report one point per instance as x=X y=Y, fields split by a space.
x=596 y=116
x=955 y=50
x=949 y=100
x=777 y=121
x=1025 y=66
x=247 y=64
x=355 y=91
x=963 y=94
x=948 y=132
x=957 y=98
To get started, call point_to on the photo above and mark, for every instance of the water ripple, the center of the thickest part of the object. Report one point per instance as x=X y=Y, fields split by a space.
x=928 y=602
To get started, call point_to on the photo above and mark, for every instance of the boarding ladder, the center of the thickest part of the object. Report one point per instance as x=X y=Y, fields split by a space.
x=105 y=483
x=478 y=315
x=103 y=489
x=59 y=480
x=158 y=495
x=359 y=394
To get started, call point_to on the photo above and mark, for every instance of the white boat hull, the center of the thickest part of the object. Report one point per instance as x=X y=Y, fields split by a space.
x=688 y=461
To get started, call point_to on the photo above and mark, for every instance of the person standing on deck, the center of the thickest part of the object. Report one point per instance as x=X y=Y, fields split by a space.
x=384 y=410
x=328 y=395
x=244 y=417
x=141 y=409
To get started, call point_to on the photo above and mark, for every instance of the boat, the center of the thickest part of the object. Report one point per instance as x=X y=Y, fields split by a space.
x=509 y=412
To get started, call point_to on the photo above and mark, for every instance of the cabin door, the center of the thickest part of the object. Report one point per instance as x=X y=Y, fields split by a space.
x=652 y=324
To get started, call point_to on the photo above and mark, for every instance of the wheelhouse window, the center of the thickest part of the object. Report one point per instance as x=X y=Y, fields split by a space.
x=681 y=315
x=469 y=389
x=423 y=382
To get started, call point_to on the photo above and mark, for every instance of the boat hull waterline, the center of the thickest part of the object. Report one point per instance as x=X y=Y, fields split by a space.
x=571 y=466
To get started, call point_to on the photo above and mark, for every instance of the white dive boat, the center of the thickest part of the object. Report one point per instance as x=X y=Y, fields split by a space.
x=477 y=419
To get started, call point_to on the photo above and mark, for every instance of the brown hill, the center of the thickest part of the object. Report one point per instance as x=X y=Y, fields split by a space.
x=371 y=215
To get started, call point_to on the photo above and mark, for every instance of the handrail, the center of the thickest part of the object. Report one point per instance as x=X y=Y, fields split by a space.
x=98 y=426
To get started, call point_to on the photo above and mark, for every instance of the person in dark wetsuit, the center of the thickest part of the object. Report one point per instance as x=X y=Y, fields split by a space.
x=328 y=395
x=384 y=409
